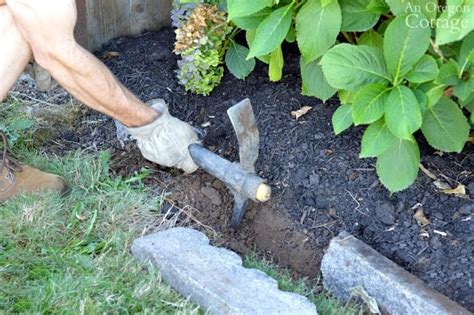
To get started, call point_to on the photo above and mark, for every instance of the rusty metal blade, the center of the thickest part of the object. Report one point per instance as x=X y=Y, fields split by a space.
x=243 y=120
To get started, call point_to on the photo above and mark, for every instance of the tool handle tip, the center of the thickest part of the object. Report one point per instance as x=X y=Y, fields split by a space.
x=263 y=193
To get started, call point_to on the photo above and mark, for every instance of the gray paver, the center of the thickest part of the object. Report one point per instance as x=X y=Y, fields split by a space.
x=214 y=277
x=350 y=263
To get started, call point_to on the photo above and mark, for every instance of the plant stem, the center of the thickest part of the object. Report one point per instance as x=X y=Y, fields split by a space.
x=437 y=50
x=466 y=62
x=348 y=37
x=299 y=4
x=229 y=39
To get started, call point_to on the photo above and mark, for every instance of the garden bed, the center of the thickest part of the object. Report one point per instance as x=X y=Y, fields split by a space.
x=320 y=186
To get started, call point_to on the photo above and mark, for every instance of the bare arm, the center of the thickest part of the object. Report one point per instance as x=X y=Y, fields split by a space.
x=91 y=82
x=48 y=27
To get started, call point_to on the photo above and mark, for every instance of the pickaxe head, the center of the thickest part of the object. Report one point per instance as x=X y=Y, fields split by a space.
x=243 y=120
x=239 y=177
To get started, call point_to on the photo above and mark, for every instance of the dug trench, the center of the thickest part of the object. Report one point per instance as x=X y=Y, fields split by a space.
x=320 y=186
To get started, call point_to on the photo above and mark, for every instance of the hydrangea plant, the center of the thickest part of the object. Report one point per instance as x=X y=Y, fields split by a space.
x=201 y=35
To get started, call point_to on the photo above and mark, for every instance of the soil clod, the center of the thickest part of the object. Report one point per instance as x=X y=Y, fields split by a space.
x=385 y=213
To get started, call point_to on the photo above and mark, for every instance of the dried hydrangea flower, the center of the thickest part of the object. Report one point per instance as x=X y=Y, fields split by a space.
x=200 y=42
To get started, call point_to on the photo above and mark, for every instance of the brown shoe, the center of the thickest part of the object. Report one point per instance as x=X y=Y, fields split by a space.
x=16 y=179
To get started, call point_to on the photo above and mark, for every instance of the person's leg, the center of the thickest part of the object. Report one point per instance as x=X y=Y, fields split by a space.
x=14 y=54
x=16 y=178
x=48 y=26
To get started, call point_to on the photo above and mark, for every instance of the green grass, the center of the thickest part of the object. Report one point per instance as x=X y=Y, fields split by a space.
x=326 y=305
x=15 y=122
x=71 y=255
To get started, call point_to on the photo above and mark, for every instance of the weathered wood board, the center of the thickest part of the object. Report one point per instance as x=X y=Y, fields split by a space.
x=101 y=20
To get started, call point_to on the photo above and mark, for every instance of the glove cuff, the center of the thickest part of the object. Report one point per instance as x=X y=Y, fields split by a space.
x=161 y=108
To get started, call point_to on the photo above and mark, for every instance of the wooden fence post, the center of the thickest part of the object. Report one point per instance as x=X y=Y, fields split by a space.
x=101 y=20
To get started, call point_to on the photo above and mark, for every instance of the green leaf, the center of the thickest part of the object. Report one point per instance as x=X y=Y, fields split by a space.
x=235 y=59
x=378 y=6
x=275 y=67
x=237 y=8
x=346 y=97
x=429 y=8
x=369 y=103
x=272 y=31
x=250 y=36
x=448 y=73
x=342 y=118
x=454 y=25
x=398 y=166
x=433 y=92
x=454 y=3
x=404 y=45
x=402 y=112
x=291 y=36
x=252 y=21
x=471 y=57
x=464 y=89
x=422 y=99
x=467 y=104
x=21 y=124
x=349 y=67
x=424 y=70
x=326 y=2
x=317 y=28
x=371 y=38
x=383 y=27
x=314 y=82
x=467 y=51
x=470 y=106
x=376 y=140
x=445 y=126
x=356 y=17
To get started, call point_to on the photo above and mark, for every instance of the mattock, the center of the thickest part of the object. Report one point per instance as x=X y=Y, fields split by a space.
x=240 y=178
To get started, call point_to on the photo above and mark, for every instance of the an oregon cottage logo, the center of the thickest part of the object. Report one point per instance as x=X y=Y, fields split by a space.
x=455 y=20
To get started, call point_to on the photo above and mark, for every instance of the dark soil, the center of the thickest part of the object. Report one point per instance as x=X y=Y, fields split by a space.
x=320 y=186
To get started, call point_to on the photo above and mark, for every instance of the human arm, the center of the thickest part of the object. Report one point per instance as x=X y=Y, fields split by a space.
x=47 y=26
x=78 y=71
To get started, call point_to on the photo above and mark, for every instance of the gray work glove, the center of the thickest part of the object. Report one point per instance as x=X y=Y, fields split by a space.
x=165 y=141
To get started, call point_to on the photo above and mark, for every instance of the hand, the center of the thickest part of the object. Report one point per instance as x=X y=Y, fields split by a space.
x=165 y=141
